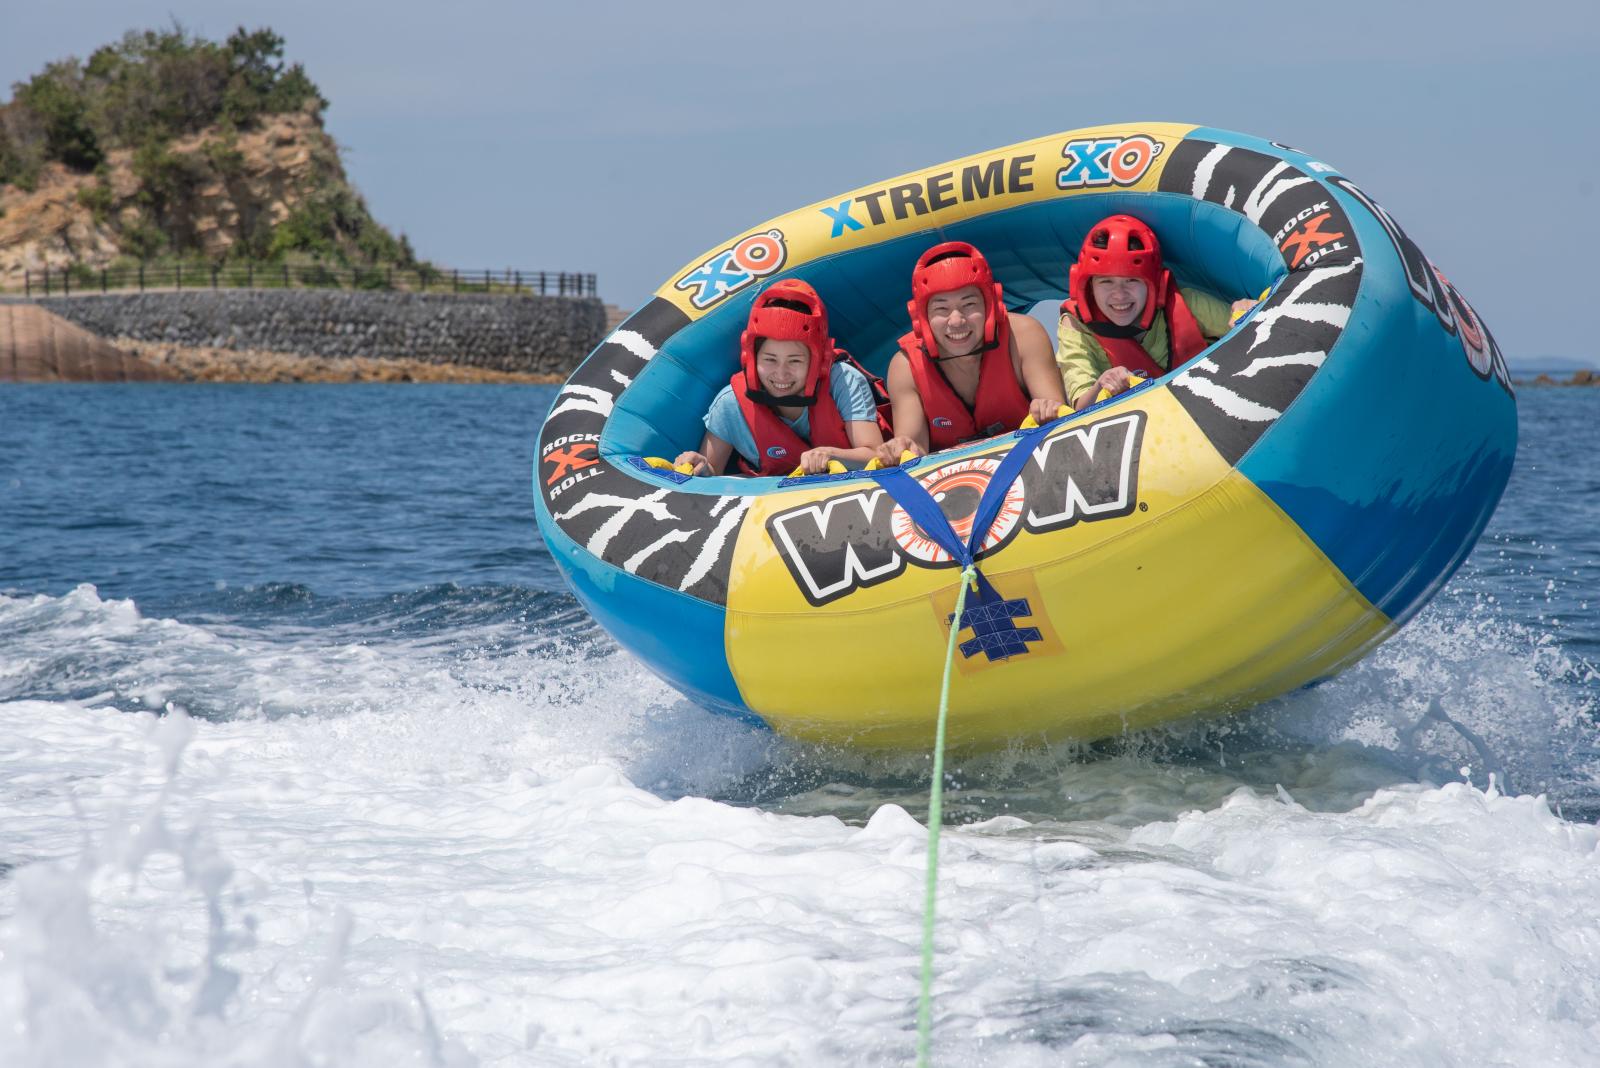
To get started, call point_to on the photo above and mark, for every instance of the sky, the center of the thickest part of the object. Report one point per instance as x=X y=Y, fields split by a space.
x=627 y=139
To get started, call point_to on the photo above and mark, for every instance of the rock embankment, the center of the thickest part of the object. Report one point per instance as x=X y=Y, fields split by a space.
x=539 y=336
x=1579 y=378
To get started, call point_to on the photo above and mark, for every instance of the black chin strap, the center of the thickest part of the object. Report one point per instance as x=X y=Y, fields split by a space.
x=1110 y=329
x=987 y=346
x=792 y=400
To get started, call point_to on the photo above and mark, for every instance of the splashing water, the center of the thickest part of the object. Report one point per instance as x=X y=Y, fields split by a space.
x=448 y=856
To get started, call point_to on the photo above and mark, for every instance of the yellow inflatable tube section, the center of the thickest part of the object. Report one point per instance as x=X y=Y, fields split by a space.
x=1202 y=594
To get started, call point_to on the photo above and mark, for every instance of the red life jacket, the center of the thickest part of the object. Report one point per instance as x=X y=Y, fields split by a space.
x=883 y=407
x=1184 y=337
x=1000 y=404
x=788 y=310
x=776 y=442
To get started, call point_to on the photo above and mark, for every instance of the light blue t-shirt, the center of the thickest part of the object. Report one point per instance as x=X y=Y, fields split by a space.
x=852 y=394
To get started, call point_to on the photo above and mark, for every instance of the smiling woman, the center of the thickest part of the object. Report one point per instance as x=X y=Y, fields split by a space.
x=795 y=398
x=1257 y=519
x=1125 y=315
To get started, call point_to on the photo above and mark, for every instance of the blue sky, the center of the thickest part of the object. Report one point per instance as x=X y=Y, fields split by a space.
x=625 y=139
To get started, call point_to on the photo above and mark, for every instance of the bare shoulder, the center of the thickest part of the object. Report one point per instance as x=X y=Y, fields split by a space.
x=899 y=368
x=1026 y=326
x=1029 y=334
x=1070 y=320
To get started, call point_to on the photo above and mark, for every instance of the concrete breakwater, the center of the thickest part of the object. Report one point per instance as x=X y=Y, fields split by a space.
x=528 y=335
x=36 y=346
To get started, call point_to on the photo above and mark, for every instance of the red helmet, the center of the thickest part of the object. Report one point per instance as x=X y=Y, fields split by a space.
x=954 y=265
x=769 y=318
x=1120 y=245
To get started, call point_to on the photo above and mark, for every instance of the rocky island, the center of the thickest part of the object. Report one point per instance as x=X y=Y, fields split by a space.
x=164 y=156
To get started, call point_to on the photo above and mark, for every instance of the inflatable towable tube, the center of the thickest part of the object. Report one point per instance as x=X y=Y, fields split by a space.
x=1253 y=522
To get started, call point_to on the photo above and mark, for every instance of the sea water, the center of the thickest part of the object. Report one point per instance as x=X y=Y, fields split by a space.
x=307 y=757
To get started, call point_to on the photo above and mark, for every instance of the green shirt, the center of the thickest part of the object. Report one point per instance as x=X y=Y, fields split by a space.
x=1083 y=359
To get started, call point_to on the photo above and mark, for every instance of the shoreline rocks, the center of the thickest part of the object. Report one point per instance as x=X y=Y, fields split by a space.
x=1579 y=378
x=179 y=363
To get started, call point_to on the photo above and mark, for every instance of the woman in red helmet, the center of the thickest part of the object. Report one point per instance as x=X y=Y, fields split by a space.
x=793 y=403
x=1127 y=316
x=969 y=369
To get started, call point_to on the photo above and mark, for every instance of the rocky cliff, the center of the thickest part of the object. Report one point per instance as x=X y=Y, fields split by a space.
x=168 y=147
x=238 y=190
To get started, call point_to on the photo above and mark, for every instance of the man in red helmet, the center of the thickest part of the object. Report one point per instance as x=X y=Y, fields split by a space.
x=1127 y=316
x=969 y=369
x=794 y=403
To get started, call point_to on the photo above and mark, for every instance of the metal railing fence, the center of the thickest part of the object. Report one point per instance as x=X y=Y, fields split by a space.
x=65 y=281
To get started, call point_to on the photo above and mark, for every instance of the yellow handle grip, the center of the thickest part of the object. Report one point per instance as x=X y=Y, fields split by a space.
x=1106 y=394
x=875 y=464
x=1030 y=422
x=668 y=465
x=834 y=468
x=1239 y=313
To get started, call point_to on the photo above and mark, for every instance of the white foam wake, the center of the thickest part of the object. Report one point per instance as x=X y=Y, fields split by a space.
x=446 y=858
x=305 y=892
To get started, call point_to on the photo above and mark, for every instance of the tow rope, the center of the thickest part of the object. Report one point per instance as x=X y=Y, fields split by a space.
x=912 y=496
x=969 y=576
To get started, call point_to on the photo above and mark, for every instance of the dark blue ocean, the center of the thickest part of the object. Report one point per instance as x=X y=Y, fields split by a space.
x=402 y=738
x=200 y=498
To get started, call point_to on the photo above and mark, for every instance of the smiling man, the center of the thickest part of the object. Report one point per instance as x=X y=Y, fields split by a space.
x=969 y=369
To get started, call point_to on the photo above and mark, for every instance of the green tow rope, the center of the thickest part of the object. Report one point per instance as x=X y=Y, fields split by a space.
x=969 y=580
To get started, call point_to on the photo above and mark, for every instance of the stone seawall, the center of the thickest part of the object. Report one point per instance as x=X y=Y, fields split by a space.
x=533 y=335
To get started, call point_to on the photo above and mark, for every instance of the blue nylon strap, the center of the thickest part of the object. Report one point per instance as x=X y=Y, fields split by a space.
x=924 y=511
x=994 y=494
x=919 y=504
